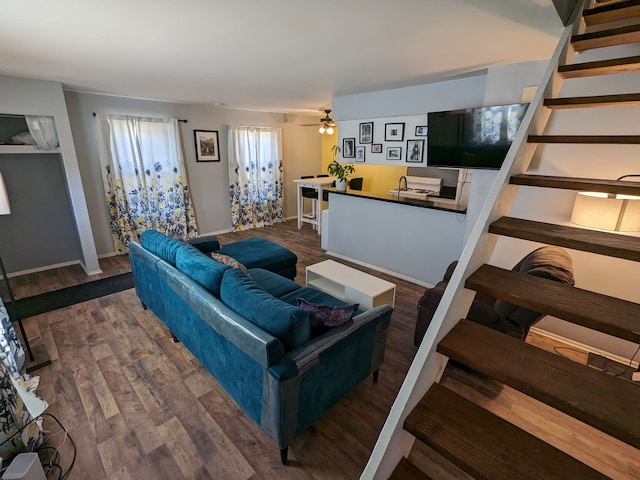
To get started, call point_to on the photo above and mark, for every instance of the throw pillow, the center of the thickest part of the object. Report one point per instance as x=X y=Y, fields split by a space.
x=324 y=317
x=227 y=260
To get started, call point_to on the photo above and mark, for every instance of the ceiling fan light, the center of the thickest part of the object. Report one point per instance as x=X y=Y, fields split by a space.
x=322 y=129
x=330 y=131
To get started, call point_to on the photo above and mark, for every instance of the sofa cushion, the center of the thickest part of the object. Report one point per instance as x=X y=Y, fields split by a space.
x=161 y=245
x=550 y=262
x=259 y=252
x=324 y=317
x=272 y=283
x=201 y=268
x=288 y=323
x=312 y=295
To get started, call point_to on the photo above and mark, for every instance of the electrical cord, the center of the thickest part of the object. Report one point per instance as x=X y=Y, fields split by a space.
x=605 y=369
x=53 y=464
x=630 y=363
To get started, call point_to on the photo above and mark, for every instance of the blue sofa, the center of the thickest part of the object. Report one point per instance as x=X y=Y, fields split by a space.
x=247 y=330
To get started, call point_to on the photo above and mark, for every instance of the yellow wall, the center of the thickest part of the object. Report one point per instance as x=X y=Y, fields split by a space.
x=377 y=178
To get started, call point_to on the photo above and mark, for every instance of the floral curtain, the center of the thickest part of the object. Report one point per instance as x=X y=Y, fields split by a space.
x=144 y=178
x=255 y=176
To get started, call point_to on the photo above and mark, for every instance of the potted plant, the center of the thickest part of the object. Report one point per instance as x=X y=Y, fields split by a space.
x=339 y=170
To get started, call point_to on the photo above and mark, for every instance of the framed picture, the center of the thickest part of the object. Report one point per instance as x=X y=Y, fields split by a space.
x=360 y=154
x=421 y=131
x=348 y=147
x=366 y=132
x=376 y=148
x=207 y=145
x=393 y=132
x=394 y=153
x=415 y=151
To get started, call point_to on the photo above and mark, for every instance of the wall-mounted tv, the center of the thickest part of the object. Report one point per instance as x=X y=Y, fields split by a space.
x=473 y=137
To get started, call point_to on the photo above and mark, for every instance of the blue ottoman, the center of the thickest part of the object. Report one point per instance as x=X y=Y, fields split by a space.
x=259 y=252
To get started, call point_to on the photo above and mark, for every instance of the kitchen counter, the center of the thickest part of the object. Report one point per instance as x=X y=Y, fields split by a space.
x=445 y=202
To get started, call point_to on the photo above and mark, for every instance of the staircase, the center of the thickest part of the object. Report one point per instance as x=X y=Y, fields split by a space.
x=463 y=434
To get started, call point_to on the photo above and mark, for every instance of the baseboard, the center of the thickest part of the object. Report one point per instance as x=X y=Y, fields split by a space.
x=380 y=269
x=42 y=269
x=586 y=348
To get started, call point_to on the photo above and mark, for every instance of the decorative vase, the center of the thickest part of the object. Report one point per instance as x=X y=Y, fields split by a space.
x=341 y=185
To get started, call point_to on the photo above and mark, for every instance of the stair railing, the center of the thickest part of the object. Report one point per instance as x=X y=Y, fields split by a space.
x=428 y=365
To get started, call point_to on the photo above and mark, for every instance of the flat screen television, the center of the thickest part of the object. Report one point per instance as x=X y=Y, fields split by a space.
x=472 y=137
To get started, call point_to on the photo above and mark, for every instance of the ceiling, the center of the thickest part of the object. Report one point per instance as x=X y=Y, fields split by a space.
x=278 y=55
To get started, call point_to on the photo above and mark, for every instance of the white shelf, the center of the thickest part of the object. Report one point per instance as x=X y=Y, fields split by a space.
x=13 y=149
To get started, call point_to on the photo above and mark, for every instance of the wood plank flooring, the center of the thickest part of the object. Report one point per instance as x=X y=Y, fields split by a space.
x=140 y=406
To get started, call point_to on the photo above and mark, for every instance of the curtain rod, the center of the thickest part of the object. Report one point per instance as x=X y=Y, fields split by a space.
x=181 y=120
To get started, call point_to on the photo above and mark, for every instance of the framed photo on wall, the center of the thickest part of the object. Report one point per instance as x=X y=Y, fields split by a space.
x=415 y=151
x=394 y=153
x=348 y=147
x=360 y=154
x=393 y=132
x=207 y=149
x=421 y=131
x=366 y=132
x=376 y=148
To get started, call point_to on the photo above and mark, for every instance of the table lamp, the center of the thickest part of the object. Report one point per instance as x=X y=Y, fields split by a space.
x=607 y=211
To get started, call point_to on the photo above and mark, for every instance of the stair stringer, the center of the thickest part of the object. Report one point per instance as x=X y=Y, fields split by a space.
x=427 y=367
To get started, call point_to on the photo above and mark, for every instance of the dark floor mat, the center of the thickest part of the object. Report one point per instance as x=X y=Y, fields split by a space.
x=46 y=302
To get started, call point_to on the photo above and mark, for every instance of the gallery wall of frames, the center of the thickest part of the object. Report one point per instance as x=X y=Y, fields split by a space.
x=400 y=140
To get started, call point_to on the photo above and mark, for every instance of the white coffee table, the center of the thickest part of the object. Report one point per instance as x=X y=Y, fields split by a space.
x=351 y=285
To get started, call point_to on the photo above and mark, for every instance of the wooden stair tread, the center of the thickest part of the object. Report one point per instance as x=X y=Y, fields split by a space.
x=484 y=445
x=618 y=100
x=405 y=470
x=604 y=139
x=612 y=12
x=600 y=67
x=613 y=316
x=606 y=38
x=575 y=183
x=593 y=397
x=594 y=241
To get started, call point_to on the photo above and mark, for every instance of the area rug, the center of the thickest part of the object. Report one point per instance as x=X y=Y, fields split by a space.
x=46 y=302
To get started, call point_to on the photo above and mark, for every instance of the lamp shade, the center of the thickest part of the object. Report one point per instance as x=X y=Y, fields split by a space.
x=607 y=212
x=5 y=208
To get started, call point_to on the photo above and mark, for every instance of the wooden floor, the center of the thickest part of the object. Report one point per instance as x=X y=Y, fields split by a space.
x=140 y=406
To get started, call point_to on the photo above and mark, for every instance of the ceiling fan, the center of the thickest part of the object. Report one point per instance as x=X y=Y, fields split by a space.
x=327 y=124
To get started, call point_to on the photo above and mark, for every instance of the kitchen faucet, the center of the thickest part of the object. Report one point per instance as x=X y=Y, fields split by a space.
x=400 y=182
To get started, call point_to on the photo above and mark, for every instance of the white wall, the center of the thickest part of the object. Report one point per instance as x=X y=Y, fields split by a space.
x=416 y=243
x=208 y=181
x=23 y=96
x=602 y=274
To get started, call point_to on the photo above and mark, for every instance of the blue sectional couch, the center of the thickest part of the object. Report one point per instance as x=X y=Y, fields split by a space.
x=246 y=328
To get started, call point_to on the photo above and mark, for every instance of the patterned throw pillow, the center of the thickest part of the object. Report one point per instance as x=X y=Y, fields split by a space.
x=227 y=260
x=324 y=317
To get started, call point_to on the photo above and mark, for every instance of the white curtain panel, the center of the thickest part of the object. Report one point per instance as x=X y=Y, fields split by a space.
x=43 y=131
x=255 y=176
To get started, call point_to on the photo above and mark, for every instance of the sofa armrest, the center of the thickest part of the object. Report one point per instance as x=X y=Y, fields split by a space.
x=206 y=243
x=306 y=356
x=312 y=378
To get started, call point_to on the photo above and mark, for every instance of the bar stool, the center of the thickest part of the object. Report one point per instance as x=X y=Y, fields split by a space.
x=311 y=193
